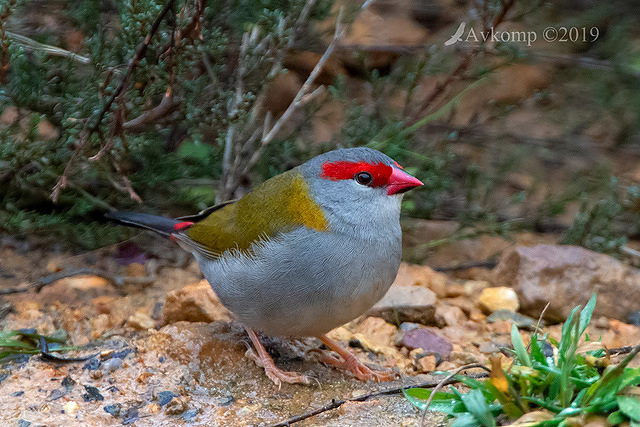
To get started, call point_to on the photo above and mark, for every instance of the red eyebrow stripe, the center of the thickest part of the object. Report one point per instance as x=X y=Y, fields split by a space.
x=346 y=170
x=182 y=225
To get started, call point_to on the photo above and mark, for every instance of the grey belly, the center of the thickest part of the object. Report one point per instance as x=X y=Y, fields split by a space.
x=305 y=284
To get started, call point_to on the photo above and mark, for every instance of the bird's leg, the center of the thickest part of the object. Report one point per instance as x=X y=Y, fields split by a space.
x=275 y=374
x=351 y=363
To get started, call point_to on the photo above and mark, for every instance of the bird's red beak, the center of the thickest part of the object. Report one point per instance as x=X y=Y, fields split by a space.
x=400 y=181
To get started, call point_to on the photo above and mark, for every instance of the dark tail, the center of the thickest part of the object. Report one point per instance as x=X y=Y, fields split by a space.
x=159 y=224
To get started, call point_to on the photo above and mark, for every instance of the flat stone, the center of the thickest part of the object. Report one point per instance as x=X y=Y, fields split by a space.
x=407 y=304
x=426 y=340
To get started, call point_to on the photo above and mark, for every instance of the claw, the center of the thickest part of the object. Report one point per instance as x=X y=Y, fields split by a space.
x=351 y=363
x=275 y=374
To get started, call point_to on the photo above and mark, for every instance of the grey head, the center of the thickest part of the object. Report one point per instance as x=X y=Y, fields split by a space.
x=350 y=185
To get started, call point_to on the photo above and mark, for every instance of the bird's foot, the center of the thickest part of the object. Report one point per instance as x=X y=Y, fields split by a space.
x=350 y=362
x=275 y=374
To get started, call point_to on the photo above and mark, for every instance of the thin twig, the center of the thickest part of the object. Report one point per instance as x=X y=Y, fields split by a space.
x=302 y=19
x=306 y=87
x=478 y=264
x=40 y=283
x=90 y=128
x=32 y=45
x=338 y=403
x=167 y=105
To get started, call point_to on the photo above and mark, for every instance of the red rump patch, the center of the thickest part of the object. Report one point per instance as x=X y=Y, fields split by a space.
x=182 y=225
x=347 y=170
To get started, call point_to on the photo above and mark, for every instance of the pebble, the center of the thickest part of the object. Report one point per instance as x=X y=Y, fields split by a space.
x=70 y=408
x=176 y=407
x=488 y=347
x=428 y=341
x=92 y=394
x=164 y=397
x=190 y=414
x=68 y=382
x=498 y=298
x=427 y=363
x=112 y=365
x=406 y=304
x=113 y=409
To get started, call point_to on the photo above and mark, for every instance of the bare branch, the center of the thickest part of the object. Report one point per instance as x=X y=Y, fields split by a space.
x=90 y=128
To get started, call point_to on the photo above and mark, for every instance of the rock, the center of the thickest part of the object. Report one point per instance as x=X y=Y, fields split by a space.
x=375 y=333
x=71 y=408
x=488 y=347
x=164 y=397
x=428 y=341
x=427 y=363
x=176 y=406
x=407 y=304
x=112 y=365
x=419 y=275
x=520 y=320
x=136 y=269
x=500 y=327
x=141 y=321
x=450 y=315
x=566 y=276
x=620 y=334
x=498 y=298
x=194 y=303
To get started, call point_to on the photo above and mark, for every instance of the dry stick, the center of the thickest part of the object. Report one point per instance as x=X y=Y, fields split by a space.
x=338 y=403
x=32 y=45
x=490 y=264
x=300 y=96
x=88 y=129
x=445 y=381
x=297 y=28
x=40 y=283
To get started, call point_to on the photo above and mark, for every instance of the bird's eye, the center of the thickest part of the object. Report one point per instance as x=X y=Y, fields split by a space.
x=363 y=178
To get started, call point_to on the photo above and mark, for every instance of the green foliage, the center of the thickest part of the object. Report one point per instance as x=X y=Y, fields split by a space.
x=596 y=225
x=173 y=164
x=568 y=386
x=27 y=342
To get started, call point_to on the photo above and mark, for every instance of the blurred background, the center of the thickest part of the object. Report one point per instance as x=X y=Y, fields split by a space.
x=519 y=116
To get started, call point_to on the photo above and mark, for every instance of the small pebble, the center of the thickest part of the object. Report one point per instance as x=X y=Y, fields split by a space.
x=70 y=408
x=92 y=394
x=68 y=383
x=164 y=397
x=56 y=393
x=112 y=365
x=190 y=414
x=113 y=409
x=227 y=401
x=154 y=408
x=130 y=415
x=17 y=393
x=92 y=364
x=24 y=423
x=176 y=407
x=488 y=347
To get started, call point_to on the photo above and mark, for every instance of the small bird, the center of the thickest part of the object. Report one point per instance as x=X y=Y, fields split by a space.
x=304 y=252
